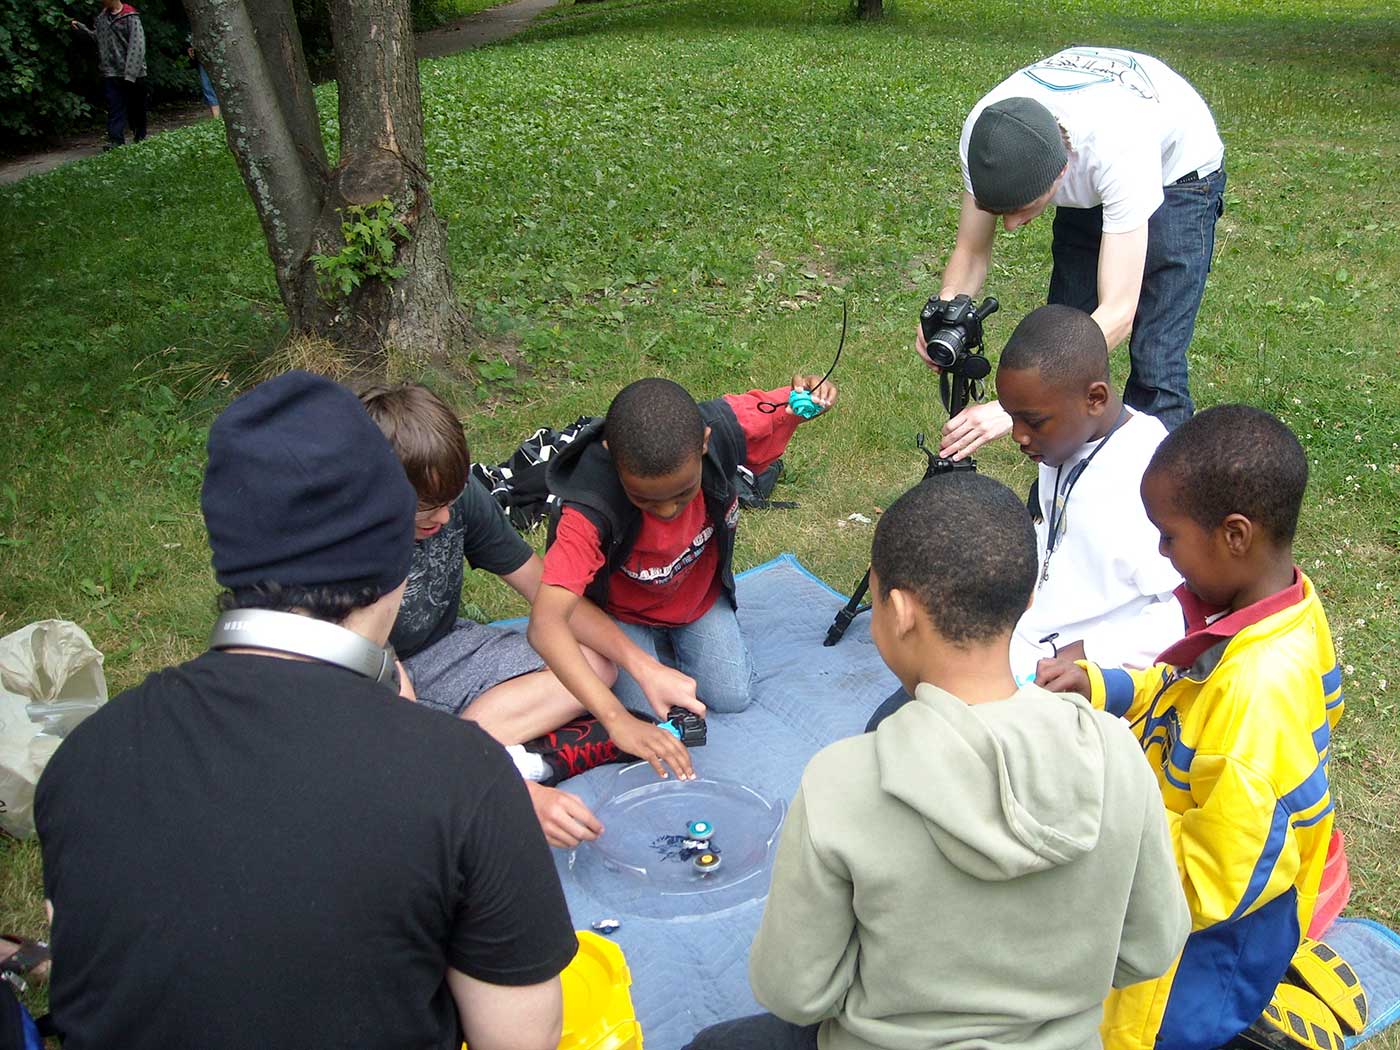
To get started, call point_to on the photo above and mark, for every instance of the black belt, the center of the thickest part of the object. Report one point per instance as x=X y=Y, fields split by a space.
x=1193 y=176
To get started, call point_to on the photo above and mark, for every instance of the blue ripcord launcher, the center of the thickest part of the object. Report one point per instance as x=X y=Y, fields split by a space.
x=685 y=726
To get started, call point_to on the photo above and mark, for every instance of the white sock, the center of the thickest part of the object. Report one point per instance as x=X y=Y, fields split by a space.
x=531 y=765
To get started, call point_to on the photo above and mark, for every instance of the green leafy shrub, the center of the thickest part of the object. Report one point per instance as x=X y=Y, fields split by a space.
x=372 y=236
x=40 y=53
x=51 y=84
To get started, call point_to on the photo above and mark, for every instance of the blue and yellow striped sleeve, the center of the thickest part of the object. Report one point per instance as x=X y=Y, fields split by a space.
x=1123 y=692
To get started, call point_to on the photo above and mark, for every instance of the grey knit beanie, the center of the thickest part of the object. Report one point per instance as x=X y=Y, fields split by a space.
x=1015 y=151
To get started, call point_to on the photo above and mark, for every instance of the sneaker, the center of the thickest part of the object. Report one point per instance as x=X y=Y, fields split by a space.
x=575 y=748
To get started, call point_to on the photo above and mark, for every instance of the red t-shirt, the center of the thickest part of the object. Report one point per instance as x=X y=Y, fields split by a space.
x=670 y=578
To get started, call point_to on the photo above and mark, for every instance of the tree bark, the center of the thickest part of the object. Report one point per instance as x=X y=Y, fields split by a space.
x=870 y=9
x=253 y=52
x=382 y=155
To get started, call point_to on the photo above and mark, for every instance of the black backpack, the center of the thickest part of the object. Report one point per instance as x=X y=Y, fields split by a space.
x=518 y=484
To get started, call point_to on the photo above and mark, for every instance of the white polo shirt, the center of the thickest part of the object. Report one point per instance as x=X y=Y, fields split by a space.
x=1134 y=126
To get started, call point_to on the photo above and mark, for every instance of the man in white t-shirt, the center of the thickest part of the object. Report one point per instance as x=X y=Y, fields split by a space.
x=1128 y=153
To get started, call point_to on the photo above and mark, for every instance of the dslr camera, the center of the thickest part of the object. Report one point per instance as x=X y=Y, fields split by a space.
x=953 y=331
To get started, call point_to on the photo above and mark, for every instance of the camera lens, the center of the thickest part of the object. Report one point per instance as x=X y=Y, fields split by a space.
x=945 y=346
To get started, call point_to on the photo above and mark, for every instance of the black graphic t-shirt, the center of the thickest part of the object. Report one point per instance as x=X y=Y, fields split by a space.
x=478 y=533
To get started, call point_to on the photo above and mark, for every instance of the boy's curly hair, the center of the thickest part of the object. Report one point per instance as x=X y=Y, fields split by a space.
x=1236 y=459
x=653 y=427
x=1063 y=343
x=963 y=546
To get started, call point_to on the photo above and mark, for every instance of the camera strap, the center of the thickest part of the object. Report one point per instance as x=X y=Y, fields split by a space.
x=1058 y=503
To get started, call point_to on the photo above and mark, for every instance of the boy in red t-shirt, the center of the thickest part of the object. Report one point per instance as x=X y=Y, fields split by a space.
x=647 y=534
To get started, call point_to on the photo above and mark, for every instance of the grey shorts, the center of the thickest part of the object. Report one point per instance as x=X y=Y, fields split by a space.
x=472 y=658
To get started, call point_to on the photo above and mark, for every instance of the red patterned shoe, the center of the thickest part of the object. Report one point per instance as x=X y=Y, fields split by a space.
x=575 y=748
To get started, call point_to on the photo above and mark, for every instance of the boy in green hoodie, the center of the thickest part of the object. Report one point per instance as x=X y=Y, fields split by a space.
x=984 y=867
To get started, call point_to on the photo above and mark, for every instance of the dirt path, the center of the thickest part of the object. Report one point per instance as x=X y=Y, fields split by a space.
x=484 y=27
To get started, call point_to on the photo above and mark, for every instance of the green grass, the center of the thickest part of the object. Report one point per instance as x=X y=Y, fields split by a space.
x=690 y=188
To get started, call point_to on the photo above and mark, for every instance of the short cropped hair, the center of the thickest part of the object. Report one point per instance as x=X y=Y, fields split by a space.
x=963 y=545
x=1063 y=343
x=329 y=602
x=653 y=427
x=1236 y=459
x=426 y=435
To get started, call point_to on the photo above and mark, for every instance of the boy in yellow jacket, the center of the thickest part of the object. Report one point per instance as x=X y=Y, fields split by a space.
x=1235 y=719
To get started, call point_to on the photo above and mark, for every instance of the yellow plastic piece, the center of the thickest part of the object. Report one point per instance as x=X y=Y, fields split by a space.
x=598 y=1011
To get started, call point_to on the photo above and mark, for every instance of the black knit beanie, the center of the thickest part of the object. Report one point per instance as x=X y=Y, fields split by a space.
x=1015 y=151
x=302 y=489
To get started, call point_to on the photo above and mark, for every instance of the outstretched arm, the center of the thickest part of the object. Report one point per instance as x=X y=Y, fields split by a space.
x=551 y=633
x=966 y=271
x=965 y=274
x=598 y=631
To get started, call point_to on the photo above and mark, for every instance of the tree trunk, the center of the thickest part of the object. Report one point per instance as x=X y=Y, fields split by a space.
x=870 y=9
x=253 y=51
x=381 y=155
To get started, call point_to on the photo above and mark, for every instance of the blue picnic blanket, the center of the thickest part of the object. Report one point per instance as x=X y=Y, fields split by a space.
x=1373 y=951
x=690 y=970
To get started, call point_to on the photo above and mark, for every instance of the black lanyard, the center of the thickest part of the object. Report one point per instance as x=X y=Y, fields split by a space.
x=1057 y=520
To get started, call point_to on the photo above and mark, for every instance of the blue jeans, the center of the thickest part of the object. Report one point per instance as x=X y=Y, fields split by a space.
x=758 y=1032
x=1180 y=242
x=206 y=85
x=711 y=650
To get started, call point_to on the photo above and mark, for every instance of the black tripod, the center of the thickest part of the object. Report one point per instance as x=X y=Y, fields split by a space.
x=956 y=387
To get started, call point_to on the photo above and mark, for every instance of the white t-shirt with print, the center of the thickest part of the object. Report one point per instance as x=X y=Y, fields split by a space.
x=1134 y=126
x=1106 y=584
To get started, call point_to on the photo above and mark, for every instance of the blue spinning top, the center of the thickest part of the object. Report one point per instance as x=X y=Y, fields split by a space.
x=801 y=403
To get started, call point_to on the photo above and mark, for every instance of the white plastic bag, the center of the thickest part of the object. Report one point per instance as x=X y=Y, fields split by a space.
x=50 y=680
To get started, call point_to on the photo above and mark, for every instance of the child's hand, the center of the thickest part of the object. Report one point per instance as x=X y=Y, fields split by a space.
x=652 y=744
x=665 y=688
x=1062 y=676
x=824 y=393
x=563 y=817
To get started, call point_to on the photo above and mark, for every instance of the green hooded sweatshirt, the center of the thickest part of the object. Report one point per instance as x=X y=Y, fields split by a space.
x=970 y=877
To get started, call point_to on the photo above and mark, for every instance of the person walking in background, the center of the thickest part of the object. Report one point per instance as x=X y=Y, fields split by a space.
x=121 y=58
x=211 y=99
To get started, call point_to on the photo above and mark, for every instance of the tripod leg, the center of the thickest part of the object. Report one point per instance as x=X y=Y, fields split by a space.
x=852 y=609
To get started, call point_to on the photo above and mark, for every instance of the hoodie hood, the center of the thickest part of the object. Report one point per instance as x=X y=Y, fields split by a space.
x=1005 y=796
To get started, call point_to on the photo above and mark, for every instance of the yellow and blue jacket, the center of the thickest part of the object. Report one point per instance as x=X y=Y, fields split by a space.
x=1236 y=721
